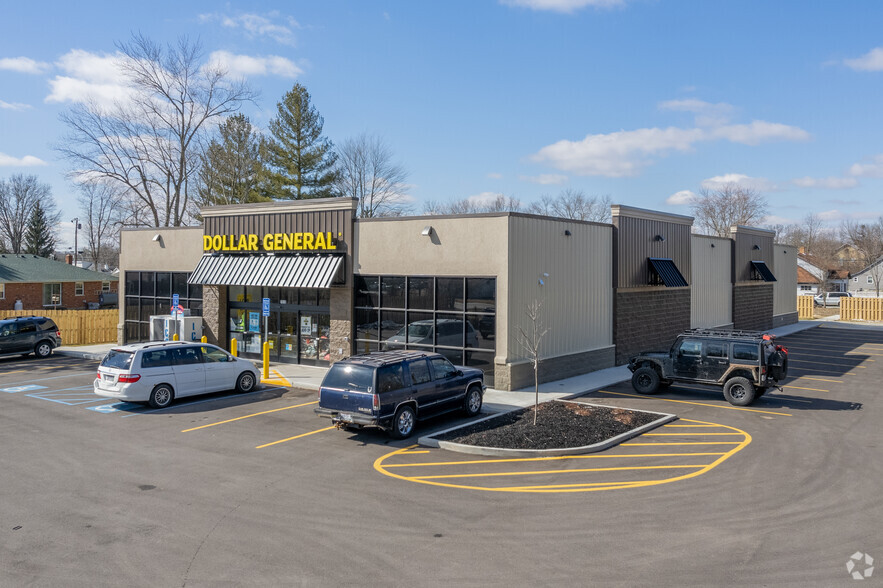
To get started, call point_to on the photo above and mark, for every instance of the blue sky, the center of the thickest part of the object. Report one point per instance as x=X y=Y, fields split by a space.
x=646 y=101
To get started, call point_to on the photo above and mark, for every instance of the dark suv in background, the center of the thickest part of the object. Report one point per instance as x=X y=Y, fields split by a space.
x=392 y=390
x=745 y=363
x=29 y=334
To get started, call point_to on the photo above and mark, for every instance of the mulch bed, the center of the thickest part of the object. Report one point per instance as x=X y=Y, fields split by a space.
x=559 y=425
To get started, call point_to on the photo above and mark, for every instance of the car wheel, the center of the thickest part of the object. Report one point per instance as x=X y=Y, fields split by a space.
x=43 y=349
x=739 y=391
x=245 y=382
x=472 y=404
x=161 y=396
x=403 y=422
x=645 y=380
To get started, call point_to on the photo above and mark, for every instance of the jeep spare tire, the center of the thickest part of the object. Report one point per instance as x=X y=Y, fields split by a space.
x=645 y=380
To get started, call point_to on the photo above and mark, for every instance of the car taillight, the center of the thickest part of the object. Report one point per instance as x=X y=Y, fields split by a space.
x=375 y=404
x=58 y=334
x=98 y=375
x=128 y=379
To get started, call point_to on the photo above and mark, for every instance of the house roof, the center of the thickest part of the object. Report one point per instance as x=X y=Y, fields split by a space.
x=804 y=277
x=19 y=268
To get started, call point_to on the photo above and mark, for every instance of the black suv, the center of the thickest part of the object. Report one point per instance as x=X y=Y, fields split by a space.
x=745 y=363
x=394 y=389
x=29 y=334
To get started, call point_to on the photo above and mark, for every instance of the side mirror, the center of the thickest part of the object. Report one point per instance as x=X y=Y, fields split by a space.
x=458 y=373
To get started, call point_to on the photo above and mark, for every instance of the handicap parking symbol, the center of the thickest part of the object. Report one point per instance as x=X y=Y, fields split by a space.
x=26 y=388
x=115 y=407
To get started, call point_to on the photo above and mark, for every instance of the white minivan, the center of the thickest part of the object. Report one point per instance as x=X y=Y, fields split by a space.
x=159 y=372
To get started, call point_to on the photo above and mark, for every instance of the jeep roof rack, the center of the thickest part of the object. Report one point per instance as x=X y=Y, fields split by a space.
x=731 y=334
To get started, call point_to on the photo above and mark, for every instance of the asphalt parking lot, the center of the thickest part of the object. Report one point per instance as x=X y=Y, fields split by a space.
x=255 y=489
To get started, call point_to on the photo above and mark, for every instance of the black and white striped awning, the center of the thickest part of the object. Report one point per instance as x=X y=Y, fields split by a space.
x=283 y=271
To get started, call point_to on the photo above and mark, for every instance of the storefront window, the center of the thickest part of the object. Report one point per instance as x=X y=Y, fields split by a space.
x=420 y=293
x=163 y=284
x=481 y=295
x=392 y=292
x=449 y=294
x=366 y=324
x=149 y=293
x=367 y=291
x=148 y=284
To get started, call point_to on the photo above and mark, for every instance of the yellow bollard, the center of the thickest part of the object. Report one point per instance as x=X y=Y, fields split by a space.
x=175 y=337
x=234 y=351
x=204 y=339
x=266 y=360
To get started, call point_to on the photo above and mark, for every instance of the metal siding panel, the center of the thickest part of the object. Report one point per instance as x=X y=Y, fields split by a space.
x=712 y=290
x=785 y=288
x=635 y=243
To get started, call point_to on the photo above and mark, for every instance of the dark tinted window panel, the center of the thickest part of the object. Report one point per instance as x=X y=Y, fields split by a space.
x=195 y=291
x=366 y=346
x=324 y=297
x=715 y=349
x=148 y=285
x=133 y=334
x=253 y=294
x=389 y=378
x=367 y=326
x=420 y=293
x=147 y=309
x=179 y=285
x=144 y=329
x=367 y=290
x=164 y=284
x=745 y=352
x=309 y=297
x=484 y=329
x=195 y=307
x=391 y=322
x=482 y=361
x=449 y=330
x=420 y=328
x=449 y=294
x=760 y=271
x=164 y=306
x=419 y=371
x=663 y=271
x=133 y=284
x=455 y=356
x=132 y=308
x=392 y=292
x=481 y=294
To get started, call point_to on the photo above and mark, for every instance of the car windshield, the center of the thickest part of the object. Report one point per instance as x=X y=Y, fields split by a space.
x=419 y=331
x=117 y=358
x=346 y=376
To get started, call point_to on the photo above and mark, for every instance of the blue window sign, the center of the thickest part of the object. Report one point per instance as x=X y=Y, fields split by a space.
x=254 y=322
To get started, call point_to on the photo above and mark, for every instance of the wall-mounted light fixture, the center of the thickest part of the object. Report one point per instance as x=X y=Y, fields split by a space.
x=756 y=247
x=158 y=238
x=567 y=232
x=712 y=245
x=659 y=238
x=427 y=231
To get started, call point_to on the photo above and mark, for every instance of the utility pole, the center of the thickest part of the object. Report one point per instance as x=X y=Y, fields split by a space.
x=77 y=227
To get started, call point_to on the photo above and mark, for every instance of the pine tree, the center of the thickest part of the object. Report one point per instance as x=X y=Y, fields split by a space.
x=39 y=239
x=301 y=159
x=232 y=166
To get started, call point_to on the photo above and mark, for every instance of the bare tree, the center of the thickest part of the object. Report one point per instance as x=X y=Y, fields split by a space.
x=573 y=204
x=865 y=238
x=102 y=208
x=366 y=171
x=147 y=144
x=18 y=197
x=717 y=210
x=531 y=340
x=499 y=203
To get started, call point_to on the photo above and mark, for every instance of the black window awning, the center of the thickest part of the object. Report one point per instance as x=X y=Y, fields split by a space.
x=664 y=271
x=760 y=271
x=283 y=271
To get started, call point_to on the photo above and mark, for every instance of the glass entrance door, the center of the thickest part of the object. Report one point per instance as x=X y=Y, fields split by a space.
x=314 y=330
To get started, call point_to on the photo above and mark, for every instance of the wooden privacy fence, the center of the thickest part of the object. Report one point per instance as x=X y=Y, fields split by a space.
x=78 y=327
x=805 y=307
x=861 y=309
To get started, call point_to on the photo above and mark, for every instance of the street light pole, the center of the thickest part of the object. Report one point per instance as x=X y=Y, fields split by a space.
x=76 y=222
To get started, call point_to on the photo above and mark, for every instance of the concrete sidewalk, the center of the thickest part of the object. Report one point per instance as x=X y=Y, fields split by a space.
x=309 y=377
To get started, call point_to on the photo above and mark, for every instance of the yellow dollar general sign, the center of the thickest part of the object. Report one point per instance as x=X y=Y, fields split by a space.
x=269 y=242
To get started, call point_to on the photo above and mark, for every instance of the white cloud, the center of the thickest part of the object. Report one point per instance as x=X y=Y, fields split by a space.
x=707 y=114
x=832 y=215
x=874 y=169
x=483 y=198
x=562 y=6
x=246 y=65
x=772 y=219
x=23 y=65
x=829 y=183
x=760 y=184
x=13 y=106
x=870 y=61
x=625 y=153
x=545 y=179
x=495 y=176
x=26 y=161
x=681 y=198
x=273 y=25
x=90 y=77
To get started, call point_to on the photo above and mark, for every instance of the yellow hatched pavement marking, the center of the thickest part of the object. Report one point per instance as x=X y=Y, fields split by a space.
x=278 y=379
x=436 y=479
x=698 y=403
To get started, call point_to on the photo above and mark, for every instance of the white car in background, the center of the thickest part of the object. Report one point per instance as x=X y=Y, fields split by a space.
x=159 y=372
x=831 y=298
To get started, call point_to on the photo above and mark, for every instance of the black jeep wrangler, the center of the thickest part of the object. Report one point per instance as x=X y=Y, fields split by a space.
x=745 y=363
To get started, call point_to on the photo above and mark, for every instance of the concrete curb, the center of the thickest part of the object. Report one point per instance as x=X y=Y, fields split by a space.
x=81 y=354
x=431 y=441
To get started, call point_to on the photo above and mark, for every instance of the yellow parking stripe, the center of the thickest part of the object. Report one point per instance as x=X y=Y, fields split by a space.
x=499 y=474
x=692 y=426
x=810 y=389
x=698 y=403
x=827 y=363
x=682 y=443
x=295 y=437
x=248 y=416
x=551 y=458
x=685 y=434
x=817 y=379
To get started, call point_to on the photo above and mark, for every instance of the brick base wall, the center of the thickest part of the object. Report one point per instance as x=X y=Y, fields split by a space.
x=520 y=375
x=752 y=307
x=31 y=295
x=648 y=320
x=781 y=320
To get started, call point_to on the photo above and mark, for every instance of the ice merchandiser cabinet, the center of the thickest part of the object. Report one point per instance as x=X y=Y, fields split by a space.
x=164 y=326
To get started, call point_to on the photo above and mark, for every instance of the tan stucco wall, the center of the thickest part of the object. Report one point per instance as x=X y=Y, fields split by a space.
x=177 y=250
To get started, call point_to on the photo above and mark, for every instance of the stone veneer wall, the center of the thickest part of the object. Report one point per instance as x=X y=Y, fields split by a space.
x=520 y=375
x=214 y=314
x=341 y=306
x=753 y=307
x=649 y=319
